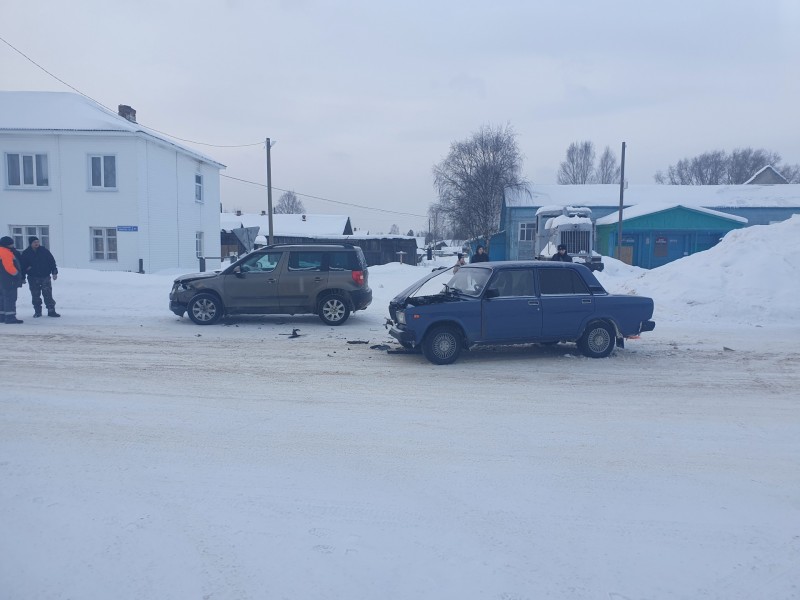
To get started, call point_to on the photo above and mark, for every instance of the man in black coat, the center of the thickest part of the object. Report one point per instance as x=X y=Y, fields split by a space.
x=562 y=255
x=38 y=265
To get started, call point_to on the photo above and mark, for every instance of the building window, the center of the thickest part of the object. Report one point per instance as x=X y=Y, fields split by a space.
x=198 y=244
x=103 y=172
x=527 y=232
x=104 y=243
x=27 y=170
x=21 y=233
x=198 y=188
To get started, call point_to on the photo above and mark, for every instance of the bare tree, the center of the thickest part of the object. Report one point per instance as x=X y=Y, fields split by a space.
x=394 y=230
x=791 y=173
x=410 y=233
x=743 y=163
x=289 y=204
x=719 y=168
x=578 y=168
x=473 y=178
x=607 y=169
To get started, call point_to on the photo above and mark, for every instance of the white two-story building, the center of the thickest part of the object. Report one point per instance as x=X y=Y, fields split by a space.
x=101 y=191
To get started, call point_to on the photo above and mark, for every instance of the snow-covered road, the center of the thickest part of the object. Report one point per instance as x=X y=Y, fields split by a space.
x=145 y=457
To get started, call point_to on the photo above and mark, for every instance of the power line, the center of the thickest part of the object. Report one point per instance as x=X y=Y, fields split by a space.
x=386 y=210
x=28 y=58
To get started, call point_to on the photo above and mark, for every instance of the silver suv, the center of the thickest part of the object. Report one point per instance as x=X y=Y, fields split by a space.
x=330 y=280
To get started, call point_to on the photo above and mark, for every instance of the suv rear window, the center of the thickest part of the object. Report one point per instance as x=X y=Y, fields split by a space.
x=305 y=261
x=343 y=261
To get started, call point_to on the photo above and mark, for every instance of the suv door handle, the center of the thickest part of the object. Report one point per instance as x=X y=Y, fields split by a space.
x=317 y=279
x=533 y=302
x=271 y=280
x=586 y=301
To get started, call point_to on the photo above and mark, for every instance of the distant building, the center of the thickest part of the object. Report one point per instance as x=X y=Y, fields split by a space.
x=689 y=217
x=100 y=190
x=316 y=229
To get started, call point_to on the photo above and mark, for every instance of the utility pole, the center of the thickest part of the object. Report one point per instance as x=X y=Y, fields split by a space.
x=621 y=193
x=270 y=239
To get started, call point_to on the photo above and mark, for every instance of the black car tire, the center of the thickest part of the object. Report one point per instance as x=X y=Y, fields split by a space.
x=598 y=340
x=205 y=309
x=442 y=345
x=334 y=309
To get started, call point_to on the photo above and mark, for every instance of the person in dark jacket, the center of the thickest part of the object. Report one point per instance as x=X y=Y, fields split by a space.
x=480 y=255
x=38 y=265
x=10 y=281
x=562 y=254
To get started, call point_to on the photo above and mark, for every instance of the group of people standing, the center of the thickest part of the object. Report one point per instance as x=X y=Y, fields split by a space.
x=37 y=265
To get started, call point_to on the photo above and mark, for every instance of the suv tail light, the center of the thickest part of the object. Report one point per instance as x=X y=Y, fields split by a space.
x=358 y=277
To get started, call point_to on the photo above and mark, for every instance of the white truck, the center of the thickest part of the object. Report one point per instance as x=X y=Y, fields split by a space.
x=569 y=225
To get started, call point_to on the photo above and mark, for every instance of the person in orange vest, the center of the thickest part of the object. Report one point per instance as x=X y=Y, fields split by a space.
x=10 y=281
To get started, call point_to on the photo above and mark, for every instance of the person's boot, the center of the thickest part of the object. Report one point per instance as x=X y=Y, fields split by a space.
x=51 y=312
x=12 y=320
x=37 y=311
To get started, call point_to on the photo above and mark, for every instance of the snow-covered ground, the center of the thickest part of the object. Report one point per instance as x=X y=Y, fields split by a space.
x=142 y=456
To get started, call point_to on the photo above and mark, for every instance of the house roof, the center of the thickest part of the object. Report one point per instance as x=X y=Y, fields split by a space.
x=641 y=210
x=767 y=171
x=694 y=196
x=300 y=225
x=50 y=112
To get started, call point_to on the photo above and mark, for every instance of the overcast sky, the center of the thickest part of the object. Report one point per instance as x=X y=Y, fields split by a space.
x=363 y=97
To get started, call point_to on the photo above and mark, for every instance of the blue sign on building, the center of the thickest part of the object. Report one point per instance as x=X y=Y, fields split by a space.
x=127 y=228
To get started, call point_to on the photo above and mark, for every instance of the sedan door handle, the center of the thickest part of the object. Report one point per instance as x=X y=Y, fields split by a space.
x=317 y=279
x=586 y=301
x=271 y=280
x=533 y=302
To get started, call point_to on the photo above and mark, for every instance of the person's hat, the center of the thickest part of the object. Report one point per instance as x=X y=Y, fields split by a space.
x=562 y=247
x=6 y=241
x=32 y=239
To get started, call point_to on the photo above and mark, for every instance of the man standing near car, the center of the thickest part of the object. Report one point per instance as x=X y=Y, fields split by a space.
x=38 y=265
x=562 y=255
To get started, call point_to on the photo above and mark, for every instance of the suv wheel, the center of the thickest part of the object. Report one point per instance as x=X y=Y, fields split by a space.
x=442 y=345
x=597 y=341
x=205 y=309
x=333 y=309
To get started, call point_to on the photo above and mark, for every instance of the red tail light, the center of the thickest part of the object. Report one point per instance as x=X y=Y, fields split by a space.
x=358 y=277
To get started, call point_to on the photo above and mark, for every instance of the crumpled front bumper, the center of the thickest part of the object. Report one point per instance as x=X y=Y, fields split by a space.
x=402 y=335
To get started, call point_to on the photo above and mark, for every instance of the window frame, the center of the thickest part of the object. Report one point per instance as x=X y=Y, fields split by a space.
x=527 y=228
x=40 y=171
x=102 y=173
x=199 y=195
x=199 y=244
x=105 y=237
x=21 y=233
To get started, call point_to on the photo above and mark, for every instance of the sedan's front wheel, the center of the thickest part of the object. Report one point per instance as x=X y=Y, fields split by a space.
x=442 y=345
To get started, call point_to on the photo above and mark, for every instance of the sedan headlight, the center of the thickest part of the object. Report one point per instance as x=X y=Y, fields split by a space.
x=401 y=317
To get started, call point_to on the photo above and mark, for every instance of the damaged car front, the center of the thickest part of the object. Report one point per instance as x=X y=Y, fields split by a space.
x=185 y=287
x=454 y=294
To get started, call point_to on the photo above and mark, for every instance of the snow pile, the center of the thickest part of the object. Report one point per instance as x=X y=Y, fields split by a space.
x=750 y=277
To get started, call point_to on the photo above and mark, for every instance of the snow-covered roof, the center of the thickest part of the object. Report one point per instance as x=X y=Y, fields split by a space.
x=50 y=112
x=640 y=210
x=287 y=225
x=717 y=196
x=763 y=170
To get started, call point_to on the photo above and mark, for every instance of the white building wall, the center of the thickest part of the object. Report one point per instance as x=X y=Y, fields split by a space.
x=154 y=194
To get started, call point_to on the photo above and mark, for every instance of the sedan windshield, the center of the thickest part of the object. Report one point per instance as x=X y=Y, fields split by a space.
x=468 y=280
